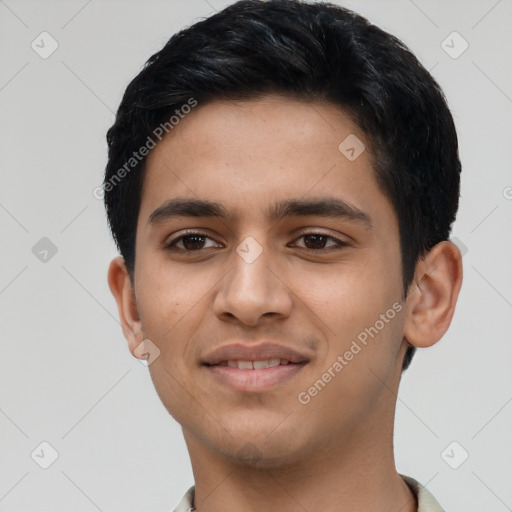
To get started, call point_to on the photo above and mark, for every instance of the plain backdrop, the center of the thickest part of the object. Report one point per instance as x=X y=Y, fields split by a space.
x=66 y=375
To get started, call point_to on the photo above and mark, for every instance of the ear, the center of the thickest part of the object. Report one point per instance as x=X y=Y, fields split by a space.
x=433 y=294
x=121 y=287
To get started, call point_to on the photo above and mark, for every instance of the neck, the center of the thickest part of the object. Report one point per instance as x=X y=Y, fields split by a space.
x=356 y=475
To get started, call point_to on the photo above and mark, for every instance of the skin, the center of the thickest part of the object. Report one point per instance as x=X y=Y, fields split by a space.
x=267 y=450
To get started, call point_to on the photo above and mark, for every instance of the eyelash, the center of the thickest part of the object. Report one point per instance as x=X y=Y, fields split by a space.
x=171 y=246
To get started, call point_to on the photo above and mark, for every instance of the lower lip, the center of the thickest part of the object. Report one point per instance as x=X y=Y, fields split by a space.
x=253 y=381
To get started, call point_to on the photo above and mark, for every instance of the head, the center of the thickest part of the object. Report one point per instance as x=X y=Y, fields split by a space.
x=258 y=105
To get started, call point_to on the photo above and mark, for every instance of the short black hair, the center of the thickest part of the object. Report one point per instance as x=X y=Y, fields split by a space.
x=311 y=52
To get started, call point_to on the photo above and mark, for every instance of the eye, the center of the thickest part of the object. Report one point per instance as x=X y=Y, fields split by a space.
x=319 y=240
x=192 y=241
x=195 y=241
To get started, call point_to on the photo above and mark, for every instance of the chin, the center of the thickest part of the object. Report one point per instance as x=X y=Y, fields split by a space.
x=264 y=448
x=268 y=456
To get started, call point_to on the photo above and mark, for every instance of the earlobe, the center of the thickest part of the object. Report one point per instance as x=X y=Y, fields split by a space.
x=433 y=295
x=121 y=287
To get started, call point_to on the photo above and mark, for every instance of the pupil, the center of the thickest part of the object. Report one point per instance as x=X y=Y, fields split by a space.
x=194 y=245
x=319 y=239
x=194 y=241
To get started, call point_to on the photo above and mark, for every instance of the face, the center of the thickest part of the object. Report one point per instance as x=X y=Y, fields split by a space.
x=258 y=239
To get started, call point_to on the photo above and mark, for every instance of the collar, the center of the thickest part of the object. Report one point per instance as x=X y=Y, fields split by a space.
x=426 y=502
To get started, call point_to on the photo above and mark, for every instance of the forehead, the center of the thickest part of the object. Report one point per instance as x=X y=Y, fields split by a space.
x=273 y=127
x=247 y=155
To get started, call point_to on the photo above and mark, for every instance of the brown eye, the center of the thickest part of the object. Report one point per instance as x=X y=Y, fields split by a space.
x=190 y=242
x=318 y=241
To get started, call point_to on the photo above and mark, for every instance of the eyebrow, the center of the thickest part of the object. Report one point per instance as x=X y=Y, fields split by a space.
x=324 y=207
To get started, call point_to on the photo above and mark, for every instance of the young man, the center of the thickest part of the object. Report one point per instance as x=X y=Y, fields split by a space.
x=281 y=184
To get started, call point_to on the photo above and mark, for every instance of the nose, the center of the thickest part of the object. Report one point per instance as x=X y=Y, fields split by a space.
x=253 y=290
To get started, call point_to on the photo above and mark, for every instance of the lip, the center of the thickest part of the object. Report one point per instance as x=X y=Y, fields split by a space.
x=256 y=380
x=259 y=352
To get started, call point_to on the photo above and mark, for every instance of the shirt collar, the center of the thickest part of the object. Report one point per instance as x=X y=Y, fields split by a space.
x=426 y=502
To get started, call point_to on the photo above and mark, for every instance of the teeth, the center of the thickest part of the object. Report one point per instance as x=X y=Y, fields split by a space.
x=261 y=364
x=251 y=365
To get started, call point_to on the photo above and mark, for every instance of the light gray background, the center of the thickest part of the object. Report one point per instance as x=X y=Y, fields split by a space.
x=66 y=375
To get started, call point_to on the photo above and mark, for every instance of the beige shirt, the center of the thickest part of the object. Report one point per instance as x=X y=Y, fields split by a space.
x=426 y=502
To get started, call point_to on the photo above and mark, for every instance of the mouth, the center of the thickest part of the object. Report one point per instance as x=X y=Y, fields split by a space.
x=246 y=377
x=254 y=368
x=255 y=365
x=265 y=355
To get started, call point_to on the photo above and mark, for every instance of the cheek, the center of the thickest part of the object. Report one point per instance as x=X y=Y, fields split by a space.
x=170 y=303
x=350 y=296
x=359 y=302
x=171 y=306
x=355 y=376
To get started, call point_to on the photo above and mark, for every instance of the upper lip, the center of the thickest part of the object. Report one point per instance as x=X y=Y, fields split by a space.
x=253 y=352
